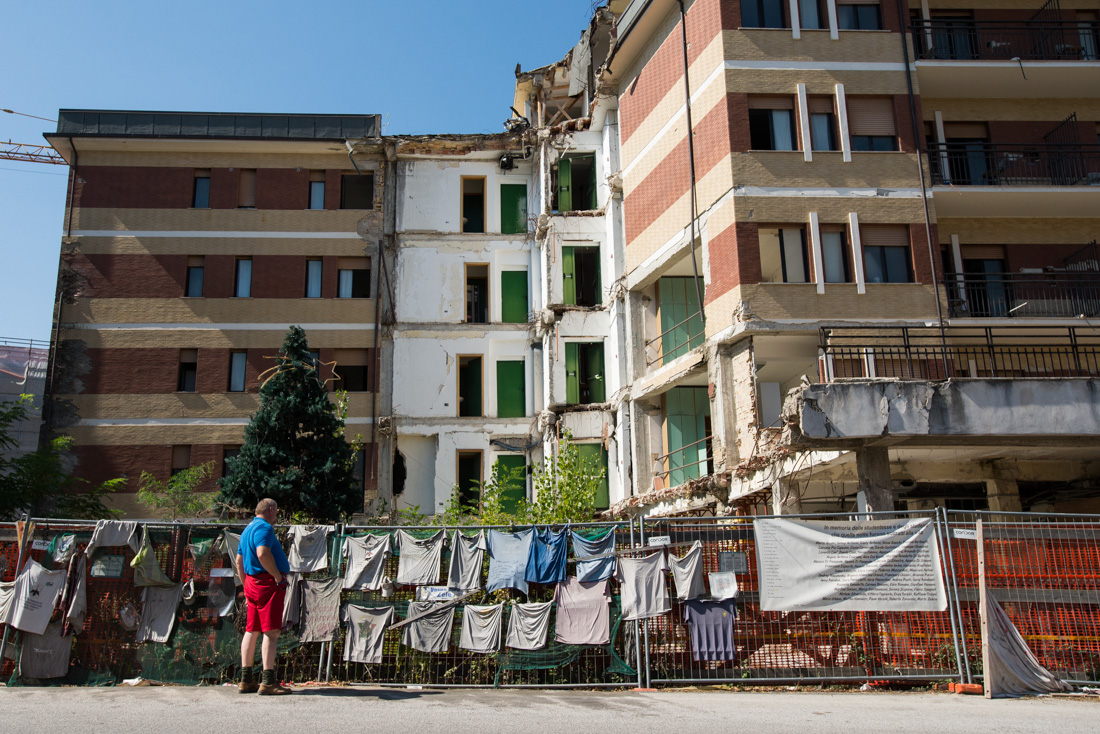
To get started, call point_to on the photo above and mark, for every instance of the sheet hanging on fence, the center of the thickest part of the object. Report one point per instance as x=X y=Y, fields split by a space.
x=1013 y=668
x=481 y=625
x=46 y=655
x=432 y=632
x=320 y=612
x=467 y=552
x=418 y=559
x=851 y=566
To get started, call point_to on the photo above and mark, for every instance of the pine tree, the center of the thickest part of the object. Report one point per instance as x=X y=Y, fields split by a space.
x=294 y=449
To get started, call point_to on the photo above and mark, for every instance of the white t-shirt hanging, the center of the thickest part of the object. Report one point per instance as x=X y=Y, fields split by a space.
x=642 y=586
x=35 y=596
x=308 y=548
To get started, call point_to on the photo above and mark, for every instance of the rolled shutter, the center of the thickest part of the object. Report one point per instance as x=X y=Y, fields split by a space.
x=820 y=105
x=966 y=130
x=871 y=116
x=771 y=102
x=884 y=235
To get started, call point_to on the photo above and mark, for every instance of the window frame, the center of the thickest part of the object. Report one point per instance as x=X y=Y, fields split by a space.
x=481 y=385
x=465 y=226
x=359 y=286
x=202 y=175
x=238 y=269
x=320 y=267
x=755 y=127
x=486 y=300
x=188 y=371
x=238 y=360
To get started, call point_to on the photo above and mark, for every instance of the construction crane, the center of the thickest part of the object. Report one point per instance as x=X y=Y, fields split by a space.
x=29 y=153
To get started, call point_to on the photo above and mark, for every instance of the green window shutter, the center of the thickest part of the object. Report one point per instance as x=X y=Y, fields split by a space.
x=592 y=184
x=686 y=409
x=596 y=452
x=513 y=296
x=695 y=323
x=596 y=383
x=513 y=208
x=515 y=490
x=565 y=185
x=681 y=323
x=569 y=276
x=572 y=381
x=511 y=395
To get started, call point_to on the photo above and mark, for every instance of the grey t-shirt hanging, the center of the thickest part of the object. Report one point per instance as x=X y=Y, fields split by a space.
x=158 y=612
x=308 y=548
x=147 y=570
x=642 y=586
x=109 y=533
x=320 y=609
x=232 y=541
x=687 y=572
x=481 y=628
x=418 y=560
x=467 y=553
x=431 y=633
x=366 y=631
x=35 y=596
x=508 y=554
x=292 y=602
x=366 y=561
x=600 y=568
x=45 y=655
x=528 y=625
x=583 y=614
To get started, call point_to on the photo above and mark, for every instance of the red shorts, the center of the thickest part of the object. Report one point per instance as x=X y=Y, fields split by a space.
x=265 y=603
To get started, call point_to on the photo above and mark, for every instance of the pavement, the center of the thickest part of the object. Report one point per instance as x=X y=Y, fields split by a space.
x=205 y=710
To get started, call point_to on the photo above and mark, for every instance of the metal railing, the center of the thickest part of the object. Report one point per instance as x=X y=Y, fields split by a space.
x=928 y=353
x=970 y=40
x=655 y=347
x=1014 y=164
x=685 y=452
x=1023 y=295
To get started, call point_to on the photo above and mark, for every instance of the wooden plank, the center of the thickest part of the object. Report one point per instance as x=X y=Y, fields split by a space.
x=983 y=609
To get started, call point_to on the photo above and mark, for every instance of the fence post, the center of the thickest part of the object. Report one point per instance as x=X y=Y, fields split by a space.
x=334 y=565
x=948 y=571
x=18 y=568
x=637 y=624
x=645 y=622
x=983 y=607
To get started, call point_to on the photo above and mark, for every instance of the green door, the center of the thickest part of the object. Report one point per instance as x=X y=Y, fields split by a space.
x=572 y=378
x=469 y=386
x=686 y=412
x=568 y=276
x=514 y=483
x=680 y=321
x=565 y=185
x=595 y=452
x=597 y=392
x=513 y=296
x=511 y=395
x=513 y=208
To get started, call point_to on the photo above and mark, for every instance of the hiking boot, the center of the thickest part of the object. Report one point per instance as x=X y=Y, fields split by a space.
x=248 y=686
x=273 y=689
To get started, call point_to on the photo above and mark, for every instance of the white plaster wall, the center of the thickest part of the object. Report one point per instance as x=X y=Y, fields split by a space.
x=420 y=461
x=611 y=356
x=430 y=193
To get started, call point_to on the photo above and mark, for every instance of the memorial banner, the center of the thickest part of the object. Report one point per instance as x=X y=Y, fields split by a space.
x=849 y=566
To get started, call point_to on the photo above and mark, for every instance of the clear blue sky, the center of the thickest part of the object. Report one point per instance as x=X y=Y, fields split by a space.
x=426 y=67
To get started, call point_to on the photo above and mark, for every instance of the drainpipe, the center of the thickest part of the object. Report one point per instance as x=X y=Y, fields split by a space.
x=691 y=161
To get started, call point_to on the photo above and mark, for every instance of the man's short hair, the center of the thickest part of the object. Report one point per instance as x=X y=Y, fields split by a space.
x=264 y=505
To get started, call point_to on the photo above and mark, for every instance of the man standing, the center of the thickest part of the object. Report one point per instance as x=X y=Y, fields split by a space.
x=262 y=564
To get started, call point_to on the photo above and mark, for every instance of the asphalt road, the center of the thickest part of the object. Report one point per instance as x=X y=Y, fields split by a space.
x=210 y=710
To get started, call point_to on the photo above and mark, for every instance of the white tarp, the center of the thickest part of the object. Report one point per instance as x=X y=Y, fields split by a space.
x=851 y=566
x=1013 y=669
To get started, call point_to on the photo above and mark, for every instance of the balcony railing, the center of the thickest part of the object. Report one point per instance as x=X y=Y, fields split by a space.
x=679 y=340
x=1024 y=295
x=1014 y=164
x=969 y=40
x=680 y=469
x=927 y=353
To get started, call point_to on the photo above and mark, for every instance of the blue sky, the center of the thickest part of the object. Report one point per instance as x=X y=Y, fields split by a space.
x=426 y=67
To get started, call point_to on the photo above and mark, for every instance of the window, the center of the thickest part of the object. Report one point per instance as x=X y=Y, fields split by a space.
x=681 y=326
x=584 y=373
x=477 y=294
x=246 y=189
x=313 y=278
x=580 y=272
x=513 y=296
x=811 y=15
x=316 y=189
x=193 y=287
x=469 y=386
x=969 y=159
x=576 y=185
x=242 y=283
x=783 y=257
x=237 y=363
x=513 y=208
x=595 y=455
x=473 y=203
x=469 y=478
x=822 y=124
x=886 y=256
x=771 y=123
x=228 y=454
x=357 y=191
x=189 y=369
x=511 y=389
x=834 y=256
x=181 y=459
x=762 y=14
x=859 y=16
x=351 y=370
x=511 y=471
x=200 y=193
x=871 y=122
x=353 y=277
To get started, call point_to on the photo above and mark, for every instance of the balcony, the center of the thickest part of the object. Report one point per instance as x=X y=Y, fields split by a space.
x=1014 y=164
x=1024 y=295
x=969 y=40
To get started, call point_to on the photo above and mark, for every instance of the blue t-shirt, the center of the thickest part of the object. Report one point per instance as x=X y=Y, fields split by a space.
x=546 y=562
x=508 y=554
x=259 y=532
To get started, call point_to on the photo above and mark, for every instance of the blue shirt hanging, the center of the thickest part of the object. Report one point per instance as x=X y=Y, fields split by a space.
x=600 y=568
x=549 y=551
x=508 y=554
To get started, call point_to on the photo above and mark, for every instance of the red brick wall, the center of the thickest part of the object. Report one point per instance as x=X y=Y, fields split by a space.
x=279 y=276
x=223 y=188
x=131 y=276
x=136 y=187
x=922 y=267
x=282 y=188
x=100 y=463
x=734 y=256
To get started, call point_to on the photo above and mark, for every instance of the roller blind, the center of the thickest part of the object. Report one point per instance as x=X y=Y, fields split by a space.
x=771 y=102
x=871 y=116
x=982 y=252
x=350 y=357
x=970 y=130
x=884 y=235
x=821 y=104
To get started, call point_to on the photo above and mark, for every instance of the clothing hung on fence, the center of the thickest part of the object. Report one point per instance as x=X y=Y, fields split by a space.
x=723 y=585
x=62 y=548
x=418 y=560
x=320 y=615
x=431 y=633
x=7 y=594
x=158 y=612
x=45 y=655
x=583 y=614
x=292 y=602
x=528 y=625
x=365 y=632
x=231 y=541
x=467 y=552
x=147 y=570
x=687 y=572
x=481 y=625
x=710 y=624
x=366 y=561
x=74 y=595
x=642 y=586
x=221 y=595
x=549 y=552
x=308 y=548
x=508 y=554
x=35 y=596
x=599 y=568
x=110 y=533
